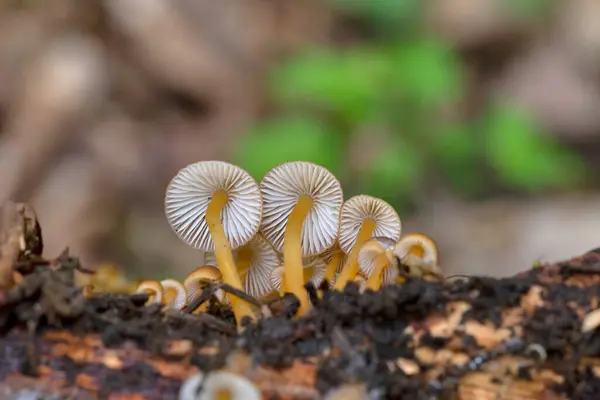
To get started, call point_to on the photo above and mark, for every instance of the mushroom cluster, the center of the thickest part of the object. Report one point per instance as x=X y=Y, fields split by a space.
x=273 y=237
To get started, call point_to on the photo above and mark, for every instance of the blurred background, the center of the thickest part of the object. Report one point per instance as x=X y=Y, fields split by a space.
x=479 y=120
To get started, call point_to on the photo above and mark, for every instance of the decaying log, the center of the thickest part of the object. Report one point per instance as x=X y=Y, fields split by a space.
x=471 y=338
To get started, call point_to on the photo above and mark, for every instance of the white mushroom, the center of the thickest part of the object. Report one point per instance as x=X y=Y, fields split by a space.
x=216 y=206
x=376 y=262
x=175 y=294
x=302 y=204
x=255 y=261
x=363 y=217
x=218 y=385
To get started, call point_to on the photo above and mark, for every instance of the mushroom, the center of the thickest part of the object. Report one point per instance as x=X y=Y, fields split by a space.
x=361 y=218
x=219 y=385
x=314 y=271
x=216 y=206
x=418 y=254
x=255 y=261
x=196 y=280
x=335 y=259
x=175 y=294
x=302 y=204
x=374 y=261
x=154 y=289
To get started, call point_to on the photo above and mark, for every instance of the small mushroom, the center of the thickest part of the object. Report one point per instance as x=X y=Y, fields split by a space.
x=302 y=204
x=196 y=280
x=175 y=294
x=154 y=289
x=255 y=261
x=219 y=385
x=335 y=259
x=314 y=271
x=419 y=254
x=591 y=321
x=375 y=261
x=216 y=206
x=363 y=217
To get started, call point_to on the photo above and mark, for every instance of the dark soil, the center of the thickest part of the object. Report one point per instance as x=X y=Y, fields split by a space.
x=352 y=336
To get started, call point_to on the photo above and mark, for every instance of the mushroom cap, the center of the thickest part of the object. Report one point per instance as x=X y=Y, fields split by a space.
x=190 y=191
x=405 y=244
x=199 y=387
x=154 y=288
x=316 y=263
x=360 y=208
x=180 y=299
x=281 y=188
x=193 y=282
x=263 y=260
x=368 y=253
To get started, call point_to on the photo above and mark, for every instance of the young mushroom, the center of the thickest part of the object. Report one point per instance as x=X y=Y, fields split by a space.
x=175 y=294
x=418 y=254
x=255 y=260
x=216 y=206
x=376 y=262
x=314 y=271
x=219 y=385
x=154 y=289
x=363 y=217
x=196 y=280
x=302 y=204
x=335 y=259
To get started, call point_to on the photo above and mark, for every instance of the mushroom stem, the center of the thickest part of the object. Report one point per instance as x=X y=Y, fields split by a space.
x=350 y=269
x=224 y=394
x=380 y=263
x=244 y=258
x=223 y=253
x=332 y=266
x=293 y=276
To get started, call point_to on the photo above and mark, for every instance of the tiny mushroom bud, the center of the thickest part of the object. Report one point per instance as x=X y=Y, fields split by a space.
x=419 y=254
x=216 y=206
x=154 y=289
x=196 y=280
x=302 y=204
x=219 y=385
x=363 y=217
x=175 y=294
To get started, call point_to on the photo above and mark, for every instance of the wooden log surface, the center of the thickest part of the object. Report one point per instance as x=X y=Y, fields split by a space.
x=473 y=338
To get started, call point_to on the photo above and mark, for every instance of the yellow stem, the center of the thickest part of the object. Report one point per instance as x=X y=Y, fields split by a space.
x=244 y=259
x=380 y=264
x=223 y=254
x=282 y=286
x=292 y=252
x=224 y=394
x=350 y=268
x=332 y=266
x=170 y=295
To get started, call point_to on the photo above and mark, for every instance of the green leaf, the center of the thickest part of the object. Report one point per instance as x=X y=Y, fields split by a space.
x=348 y=83
x=394 y=172
x=525 y=159
x=425 y=71
x=289 y=138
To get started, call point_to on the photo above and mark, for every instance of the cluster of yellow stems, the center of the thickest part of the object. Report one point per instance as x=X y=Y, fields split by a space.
x=305 y=231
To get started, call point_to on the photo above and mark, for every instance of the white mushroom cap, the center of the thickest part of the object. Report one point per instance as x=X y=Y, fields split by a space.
x=370 y=251
x=404 y=245
x=179 y=299
x=237 y=387
x=263 y=260
x=190 y=191
x=360 y=208
x=282 y=187
x=316 y=263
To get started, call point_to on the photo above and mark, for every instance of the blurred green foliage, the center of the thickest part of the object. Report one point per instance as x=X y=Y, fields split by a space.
x=395 y=91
